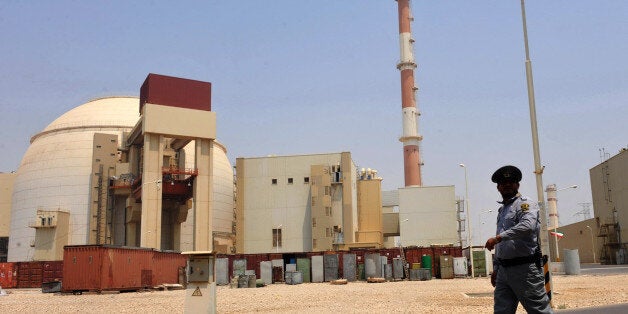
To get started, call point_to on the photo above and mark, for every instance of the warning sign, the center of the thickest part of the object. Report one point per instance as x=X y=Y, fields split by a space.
x=197 y=292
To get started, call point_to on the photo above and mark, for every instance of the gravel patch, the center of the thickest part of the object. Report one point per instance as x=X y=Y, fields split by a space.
x=434 y=296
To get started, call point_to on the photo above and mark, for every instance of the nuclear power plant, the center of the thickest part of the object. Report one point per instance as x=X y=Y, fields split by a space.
x=149 y=173
x=126 y=171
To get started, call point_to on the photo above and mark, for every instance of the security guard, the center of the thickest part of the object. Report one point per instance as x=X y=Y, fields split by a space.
x=517 y=269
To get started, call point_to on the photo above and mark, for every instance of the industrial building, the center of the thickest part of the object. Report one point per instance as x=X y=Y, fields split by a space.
x=147 y=172
x=323 y=202
x=6 y=191
x=601 y=239
x=126 y=171
x=609 y=188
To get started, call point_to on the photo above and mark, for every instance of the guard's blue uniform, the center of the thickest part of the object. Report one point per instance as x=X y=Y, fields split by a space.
x=519 y=278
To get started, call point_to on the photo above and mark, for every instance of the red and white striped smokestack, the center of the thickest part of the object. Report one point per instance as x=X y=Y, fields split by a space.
x=410 y=137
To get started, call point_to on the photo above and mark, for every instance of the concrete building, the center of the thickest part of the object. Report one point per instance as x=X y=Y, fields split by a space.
x=427 y=216
x=126 y=171
x=601 y=239
x=609 y=188
x=297 y=203
x=322 y=202
x=583 y=236
x=6 y=194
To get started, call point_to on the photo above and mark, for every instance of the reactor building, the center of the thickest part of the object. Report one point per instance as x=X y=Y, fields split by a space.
x=127 y=171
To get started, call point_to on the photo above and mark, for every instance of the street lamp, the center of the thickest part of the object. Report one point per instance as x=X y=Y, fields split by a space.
x=592 y=243
x=277 y=236
x=552 y=203
x=466 y=200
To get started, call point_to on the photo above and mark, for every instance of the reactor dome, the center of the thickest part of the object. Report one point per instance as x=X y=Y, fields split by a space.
x=55 y=172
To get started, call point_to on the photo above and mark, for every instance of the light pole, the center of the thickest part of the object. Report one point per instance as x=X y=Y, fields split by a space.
x=592 y=243
x=466 y=200
x=277 y=236
x=553 y=206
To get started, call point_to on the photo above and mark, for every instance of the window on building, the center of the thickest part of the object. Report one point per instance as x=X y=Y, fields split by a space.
x=327 y=190
x=313 y=222
x=328 y=232
x=313 y=200
x=277 y=238
x=327 y=211
x=274 y=181
x=306 y=180
x=98 y=146
x=314 y=244
x=290 y=180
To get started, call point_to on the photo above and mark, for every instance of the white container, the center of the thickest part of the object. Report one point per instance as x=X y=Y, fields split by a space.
x=460 y=267
x=572 y=262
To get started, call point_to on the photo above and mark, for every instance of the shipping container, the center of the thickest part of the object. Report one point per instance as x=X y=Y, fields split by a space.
x=253 y=262
x=52 y=271
x=29 y=274
x=8 y=275
x=104 y=267
x=168 y=267
x=446 y=267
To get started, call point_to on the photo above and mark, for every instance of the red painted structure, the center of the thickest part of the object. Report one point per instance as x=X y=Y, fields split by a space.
x=8 y=275
x=406 y=66
x=103 y=267
x=176 y=92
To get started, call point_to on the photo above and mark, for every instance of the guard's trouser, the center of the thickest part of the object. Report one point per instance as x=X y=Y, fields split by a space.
x=523 y=283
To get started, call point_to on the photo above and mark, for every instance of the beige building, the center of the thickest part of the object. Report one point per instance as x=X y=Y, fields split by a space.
x=609 y=188
x=306 y=203
x=601 y=239
x=6 y=192
x=582 y=236
x=322 y=202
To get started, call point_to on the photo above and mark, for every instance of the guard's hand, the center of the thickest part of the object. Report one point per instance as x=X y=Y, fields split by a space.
x=490 y=243
x=493 y=278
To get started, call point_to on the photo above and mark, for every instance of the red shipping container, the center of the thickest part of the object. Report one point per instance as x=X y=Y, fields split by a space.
x=8 y=275
x=253 y=262
x=104 y=267
x=29 y=274
x=166 y=267
x=52 y=271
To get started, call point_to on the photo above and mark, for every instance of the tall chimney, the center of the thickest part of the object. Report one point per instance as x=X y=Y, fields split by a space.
x=410 y=137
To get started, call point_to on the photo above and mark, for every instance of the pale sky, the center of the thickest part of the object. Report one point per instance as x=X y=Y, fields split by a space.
x=303 y=77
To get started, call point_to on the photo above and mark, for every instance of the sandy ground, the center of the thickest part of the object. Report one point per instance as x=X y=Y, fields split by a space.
x=434 y=296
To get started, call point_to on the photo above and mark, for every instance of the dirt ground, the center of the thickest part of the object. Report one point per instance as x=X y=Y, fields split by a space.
x=434 y=296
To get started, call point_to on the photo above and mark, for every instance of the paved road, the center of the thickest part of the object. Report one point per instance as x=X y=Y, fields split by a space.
x=606 y=309
x=597 y=269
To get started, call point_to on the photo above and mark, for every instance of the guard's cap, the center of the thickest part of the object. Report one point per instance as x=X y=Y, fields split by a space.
x=507 y=173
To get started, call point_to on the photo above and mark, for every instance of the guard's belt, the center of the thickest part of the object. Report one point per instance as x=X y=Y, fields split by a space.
x=507 y=262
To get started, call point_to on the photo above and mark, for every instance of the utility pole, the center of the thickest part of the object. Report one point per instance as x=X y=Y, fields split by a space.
x=538 y=169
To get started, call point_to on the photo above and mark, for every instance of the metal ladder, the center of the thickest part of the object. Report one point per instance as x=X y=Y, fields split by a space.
x=404 y=263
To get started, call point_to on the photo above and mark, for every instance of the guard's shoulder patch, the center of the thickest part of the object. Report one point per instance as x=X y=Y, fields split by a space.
x=525 y=206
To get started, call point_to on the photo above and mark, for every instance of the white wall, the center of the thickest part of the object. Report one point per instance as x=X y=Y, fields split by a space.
x=431 y=214
x=266 y=206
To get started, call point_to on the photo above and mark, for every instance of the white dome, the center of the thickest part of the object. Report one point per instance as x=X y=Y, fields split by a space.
x=55 y=171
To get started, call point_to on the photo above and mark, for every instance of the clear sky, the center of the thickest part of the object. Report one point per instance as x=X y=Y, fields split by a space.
x=301 y=77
